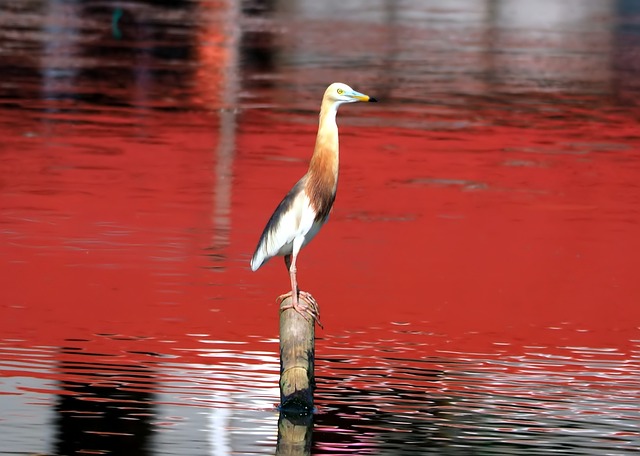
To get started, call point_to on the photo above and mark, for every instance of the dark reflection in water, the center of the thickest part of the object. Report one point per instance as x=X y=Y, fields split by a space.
x=386 y=419
x=561 y=400
x=103 y=407
x=137 y=54
x=626 y=82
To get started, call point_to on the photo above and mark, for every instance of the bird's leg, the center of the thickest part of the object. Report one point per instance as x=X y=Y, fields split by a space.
x=282 y=297
x=306 y=310
x=290 y=262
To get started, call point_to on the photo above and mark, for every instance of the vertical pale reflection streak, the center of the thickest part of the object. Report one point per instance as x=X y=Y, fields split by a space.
x=59 y=49
x=226 y=68
x=221 y=31
x=219 y=423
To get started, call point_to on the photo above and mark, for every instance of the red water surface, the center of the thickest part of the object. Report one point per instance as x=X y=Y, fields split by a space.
x=502 y=231
x=492 y=194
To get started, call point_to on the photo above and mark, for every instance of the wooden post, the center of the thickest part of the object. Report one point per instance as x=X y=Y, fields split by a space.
x=297 y=355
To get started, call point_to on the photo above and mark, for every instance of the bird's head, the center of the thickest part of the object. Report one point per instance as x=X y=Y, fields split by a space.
x=339 y=93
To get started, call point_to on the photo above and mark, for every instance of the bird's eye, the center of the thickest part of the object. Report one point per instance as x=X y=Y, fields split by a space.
x=340 y=91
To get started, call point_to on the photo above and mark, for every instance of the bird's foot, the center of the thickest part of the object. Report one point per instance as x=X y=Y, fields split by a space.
x=282 y=297
x=312 y=305
x=308 y=309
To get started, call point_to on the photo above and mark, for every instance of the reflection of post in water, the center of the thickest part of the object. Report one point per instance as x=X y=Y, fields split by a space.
x=294 y=434
x=105 y=408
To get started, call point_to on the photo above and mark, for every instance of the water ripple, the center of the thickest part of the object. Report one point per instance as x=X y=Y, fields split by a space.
x=370 y=393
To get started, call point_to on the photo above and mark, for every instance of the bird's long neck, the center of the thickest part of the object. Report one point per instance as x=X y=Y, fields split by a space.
x=326 y=155
x=323 y=169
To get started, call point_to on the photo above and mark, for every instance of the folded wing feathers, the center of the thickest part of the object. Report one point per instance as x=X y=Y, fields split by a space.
x=281 y=227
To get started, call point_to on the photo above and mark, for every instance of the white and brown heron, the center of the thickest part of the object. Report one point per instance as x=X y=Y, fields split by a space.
x=306 y=207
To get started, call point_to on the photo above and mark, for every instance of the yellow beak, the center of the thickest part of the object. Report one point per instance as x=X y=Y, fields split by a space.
x=362 y=97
